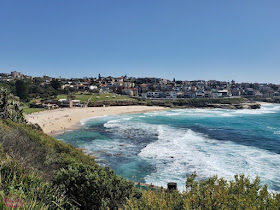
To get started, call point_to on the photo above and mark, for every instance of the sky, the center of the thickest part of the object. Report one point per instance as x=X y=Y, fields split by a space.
x=186 y=39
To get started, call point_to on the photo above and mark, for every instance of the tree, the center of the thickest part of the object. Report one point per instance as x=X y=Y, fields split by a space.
x=9 y=107
x=22 y=90
x=56 y=84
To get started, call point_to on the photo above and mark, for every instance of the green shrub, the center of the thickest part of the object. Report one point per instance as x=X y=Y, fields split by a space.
x=212 y=193
x=93 y=187
x=58 y=163
x=28 y=187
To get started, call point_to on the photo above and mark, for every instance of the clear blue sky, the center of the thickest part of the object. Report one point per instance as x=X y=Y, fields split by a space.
x=185 y=39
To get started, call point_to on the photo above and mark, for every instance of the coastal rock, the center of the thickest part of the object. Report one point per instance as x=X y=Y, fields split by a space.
x=114 y=103
x=256 y=106
x=235 y=106
x=211 y=103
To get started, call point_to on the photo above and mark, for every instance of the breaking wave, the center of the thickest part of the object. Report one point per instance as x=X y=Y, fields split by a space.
x=160 y=147
x=180 y=152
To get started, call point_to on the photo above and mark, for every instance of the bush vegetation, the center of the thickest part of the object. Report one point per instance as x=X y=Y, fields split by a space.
x=10 y=107
x=85 y=183
x=212 y=193
x=31 y=190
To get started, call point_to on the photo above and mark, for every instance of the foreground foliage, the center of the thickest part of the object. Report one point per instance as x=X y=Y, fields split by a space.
x=9 y=107
x=213 y=193
x=93 y=187
x=85 y=184
x=27 y=187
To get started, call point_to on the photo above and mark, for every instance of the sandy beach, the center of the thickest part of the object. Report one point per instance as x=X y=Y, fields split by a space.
x=60 y=120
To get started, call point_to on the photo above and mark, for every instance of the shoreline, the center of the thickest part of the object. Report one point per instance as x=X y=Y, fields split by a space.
x=55 y=122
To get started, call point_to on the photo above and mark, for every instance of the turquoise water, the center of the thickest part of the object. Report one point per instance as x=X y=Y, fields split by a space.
x=165 y=146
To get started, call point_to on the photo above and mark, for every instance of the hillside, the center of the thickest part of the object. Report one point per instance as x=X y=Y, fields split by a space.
x=84 y=183
x=35 y=166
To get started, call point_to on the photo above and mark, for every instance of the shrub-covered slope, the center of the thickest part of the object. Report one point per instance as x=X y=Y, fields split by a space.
x=85 y=183
x=20 y=187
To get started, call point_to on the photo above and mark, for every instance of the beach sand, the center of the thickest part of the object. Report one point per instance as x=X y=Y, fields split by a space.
x=60 y=120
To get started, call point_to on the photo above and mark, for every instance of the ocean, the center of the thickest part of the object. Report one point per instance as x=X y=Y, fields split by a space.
x=165 y=146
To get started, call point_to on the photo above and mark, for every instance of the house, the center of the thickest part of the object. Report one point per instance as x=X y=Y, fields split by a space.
x=224 y=93
x=50 y=104
x=189 y=94
x=180 y=95
x=93 y=87
x=128 y=84
x=104 y=89
x=76 y=103
x=199 y=94
x=162 y=94
x=171 y=95
x=127 y=91
x=250 y=91
x=65 y=103
x=153 y=94
x=236 y=92
x=193 y=88
x=207 y=94
x=216 y=95
x=176 y=89
x=144 y=88
x=16 y=74
x=186 y=88
x=143 y=95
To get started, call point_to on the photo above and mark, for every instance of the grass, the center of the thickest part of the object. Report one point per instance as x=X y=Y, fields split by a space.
x=27 y=110
x=83 y=97
x=95 y=97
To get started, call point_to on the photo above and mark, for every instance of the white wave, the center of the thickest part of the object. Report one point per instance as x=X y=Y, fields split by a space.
x=205 y=113
x=208 y=113
x=227 y=115
x=255 y=111
x=215 y=129
x=127 y=128
x=85 y=120
x=114 y=123
x=173 y=114
x=180 y=152
x=271 y=106
x=265 y=109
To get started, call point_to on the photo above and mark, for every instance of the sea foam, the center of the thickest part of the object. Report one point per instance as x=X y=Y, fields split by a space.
x=172 y=144
x=179 y=152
